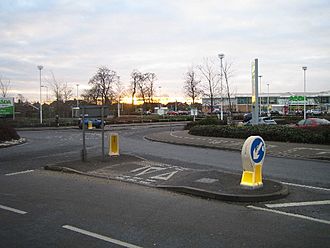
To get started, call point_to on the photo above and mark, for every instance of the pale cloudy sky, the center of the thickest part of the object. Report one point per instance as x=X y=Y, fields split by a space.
x=73 y=38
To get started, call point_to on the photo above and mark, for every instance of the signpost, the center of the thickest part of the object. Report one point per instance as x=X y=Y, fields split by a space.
x=93 y=111
x=253 y=154
x=255 y=93
x=7 y=108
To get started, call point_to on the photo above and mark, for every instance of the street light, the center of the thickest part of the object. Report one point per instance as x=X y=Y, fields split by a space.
x=40 y=67
x=77 y=95
x=221 y=56
x=268 y=100
x=304 y=68
x=45 y=86
x=260 y=105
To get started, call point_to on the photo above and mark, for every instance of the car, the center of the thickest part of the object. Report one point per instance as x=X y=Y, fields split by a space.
x=97 y=123
x=171 y=112
x=262 y=121
x=247 y=117
x=313 y=122
x=314 y=112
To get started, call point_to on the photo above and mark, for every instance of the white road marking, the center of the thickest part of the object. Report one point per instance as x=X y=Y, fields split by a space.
x=13 y=210
x=305 y=186
x=298 y=204
x=290 y=214
x=165 y=176
x=101 y=237
x=20 y=172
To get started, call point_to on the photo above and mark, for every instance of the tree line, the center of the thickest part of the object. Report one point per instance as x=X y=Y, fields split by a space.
x=208 y=79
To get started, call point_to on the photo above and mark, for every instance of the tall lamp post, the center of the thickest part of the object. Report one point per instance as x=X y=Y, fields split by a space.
x=40 y=67
x=221 y=56
x=304 y=68
x=77 y=95
x=268 y=113
x=260 y=105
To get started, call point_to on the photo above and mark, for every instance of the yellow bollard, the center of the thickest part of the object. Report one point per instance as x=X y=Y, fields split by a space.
x=113 y=144
x=90 y=125
x=253 y=154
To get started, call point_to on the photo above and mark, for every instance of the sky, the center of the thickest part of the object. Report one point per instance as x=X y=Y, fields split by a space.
x=71 y=39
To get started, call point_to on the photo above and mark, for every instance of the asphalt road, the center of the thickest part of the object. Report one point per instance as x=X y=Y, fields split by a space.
x=48 y=209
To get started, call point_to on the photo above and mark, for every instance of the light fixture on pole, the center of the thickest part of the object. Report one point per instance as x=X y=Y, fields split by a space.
x=304 y=68
x=221 y=56
x=40 y=67
x=268 y=113
x=260 y=105
x=77 y=95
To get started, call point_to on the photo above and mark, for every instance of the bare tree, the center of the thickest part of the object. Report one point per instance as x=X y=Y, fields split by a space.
x=150 y=78
x=91 y=95
x=67 y=91
x=136 y=78
x=192 y=87
x=104 y=80
x=57 y=88
x=4 y=87
x=228 y=73
x=211 y=80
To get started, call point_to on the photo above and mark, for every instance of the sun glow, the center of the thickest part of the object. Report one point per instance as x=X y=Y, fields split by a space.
x=163 y=100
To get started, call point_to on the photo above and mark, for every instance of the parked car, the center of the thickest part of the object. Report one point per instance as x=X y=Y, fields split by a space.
x=97 y=123
x=263 y=121
x=247 y=117
x=312 y=122
x=171 y=112
x=314 y=112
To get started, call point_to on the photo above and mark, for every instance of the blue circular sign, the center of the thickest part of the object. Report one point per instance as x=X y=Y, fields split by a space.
x=257 y=151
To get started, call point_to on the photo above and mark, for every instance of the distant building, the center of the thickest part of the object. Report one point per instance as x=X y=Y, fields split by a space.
x=283 y=102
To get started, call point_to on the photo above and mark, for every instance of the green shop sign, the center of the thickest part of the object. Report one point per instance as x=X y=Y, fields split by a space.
x=6 y=106
x=296 y=98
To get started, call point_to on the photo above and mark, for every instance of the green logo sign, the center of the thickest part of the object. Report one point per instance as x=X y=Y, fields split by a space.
x=296 y=98
x=6 y=106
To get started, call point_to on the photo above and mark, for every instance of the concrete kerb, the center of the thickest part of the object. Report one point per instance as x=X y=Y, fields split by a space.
x=227 y=197
x=10 y=143
x=190 y=144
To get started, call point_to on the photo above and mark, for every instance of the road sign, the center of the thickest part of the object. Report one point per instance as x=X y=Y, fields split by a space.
x=253 y=155
x=257 y=151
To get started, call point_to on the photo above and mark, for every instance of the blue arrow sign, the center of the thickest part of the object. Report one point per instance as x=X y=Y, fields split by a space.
x=257 y=151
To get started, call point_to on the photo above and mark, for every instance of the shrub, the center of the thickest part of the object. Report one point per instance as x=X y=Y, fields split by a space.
x=7 y=133
x=316 y=135
x=206 y=121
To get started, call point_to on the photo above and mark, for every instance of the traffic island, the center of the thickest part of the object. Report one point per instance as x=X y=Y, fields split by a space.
x=224 y=186
x=212 y=184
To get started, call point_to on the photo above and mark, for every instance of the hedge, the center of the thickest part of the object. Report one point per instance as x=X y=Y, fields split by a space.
x=8 y=133
x=315 y=135
x=206 y=121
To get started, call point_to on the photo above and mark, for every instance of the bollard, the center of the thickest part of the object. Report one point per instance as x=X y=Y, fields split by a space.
x=113 y=144
x=253 y=154
x=90 y=125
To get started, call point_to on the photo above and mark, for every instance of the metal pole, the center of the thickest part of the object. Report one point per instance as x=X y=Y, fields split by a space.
x=304 y=68
x=268 y=99
x=77 y=95
x=40 y=67
x=221 y=56
x=260 y=104
x=102 y=119
x=83 y=152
